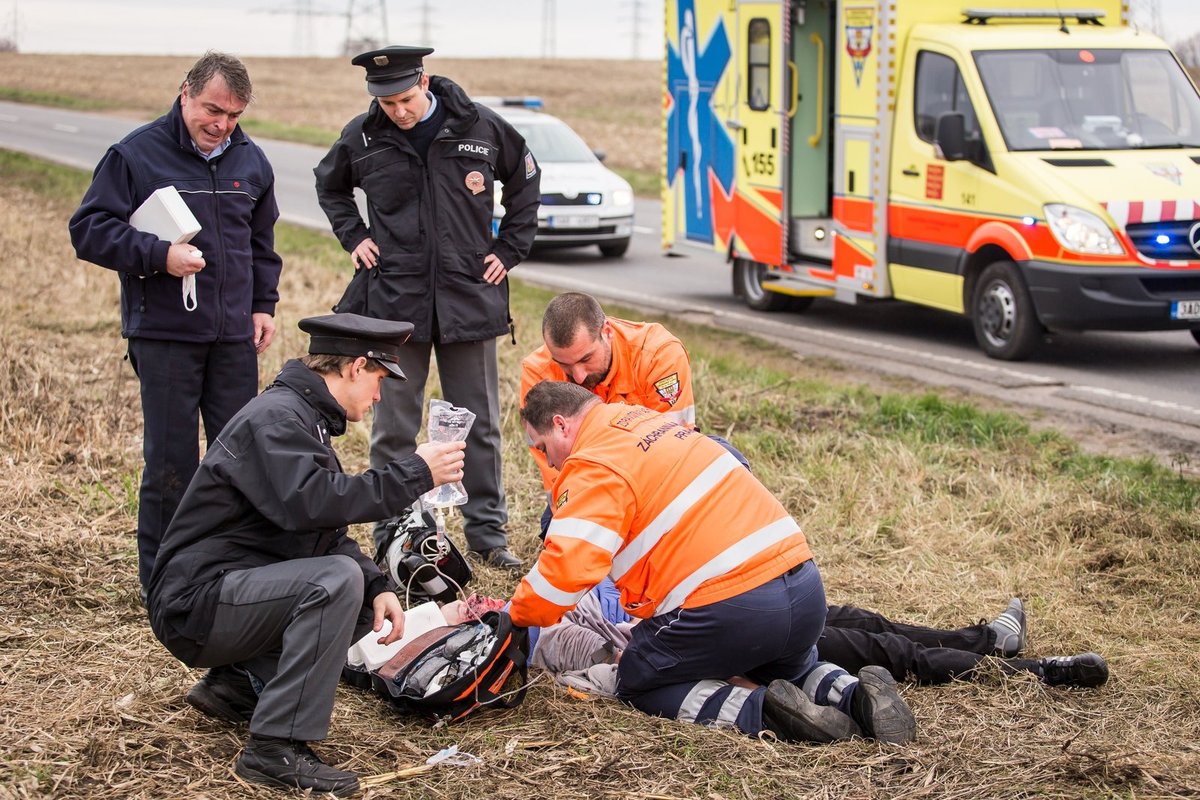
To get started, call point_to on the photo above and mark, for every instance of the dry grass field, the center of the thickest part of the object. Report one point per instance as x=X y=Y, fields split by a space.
x=614 y=105
x=918 y=506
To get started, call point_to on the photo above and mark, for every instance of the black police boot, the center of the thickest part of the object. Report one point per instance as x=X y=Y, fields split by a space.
x=500 y=557
x=292 y=765
x=792 y=716
x=879 y=709
x=1087 y=670
x=224 y=693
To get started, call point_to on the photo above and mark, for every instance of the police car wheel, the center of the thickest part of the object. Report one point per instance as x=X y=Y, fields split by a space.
x=1196 y=334
x=748 y=284
x=1006 y=326
x=614 y=249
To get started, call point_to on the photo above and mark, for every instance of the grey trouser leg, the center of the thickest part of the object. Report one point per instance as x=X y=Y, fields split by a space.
x=290 y=625
x=470 y=379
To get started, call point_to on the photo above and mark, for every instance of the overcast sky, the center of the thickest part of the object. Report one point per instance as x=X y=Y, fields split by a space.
x=458 y=28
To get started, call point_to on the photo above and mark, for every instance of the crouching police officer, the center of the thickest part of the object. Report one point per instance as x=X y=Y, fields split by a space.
x=256 y=577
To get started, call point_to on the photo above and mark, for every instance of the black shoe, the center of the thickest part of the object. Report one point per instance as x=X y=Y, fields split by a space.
x=793 y=717
x=1087 y=670
x=292 y=765
x=498 y=557
x=1010 y=629
x=224 y=693
x=880 y=710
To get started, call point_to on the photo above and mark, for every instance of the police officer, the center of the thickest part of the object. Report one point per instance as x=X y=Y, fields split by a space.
x=428 y=160
x=256 y=577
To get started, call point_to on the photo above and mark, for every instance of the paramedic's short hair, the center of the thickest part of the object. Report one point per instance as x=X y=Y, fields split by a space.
x=554 y=397
x=230 y=68
x=566 y=313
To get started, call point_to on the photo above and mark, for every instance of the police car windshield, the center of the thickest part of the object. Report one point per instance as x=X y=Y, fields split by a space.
x=552 y=141
x=1079 y=99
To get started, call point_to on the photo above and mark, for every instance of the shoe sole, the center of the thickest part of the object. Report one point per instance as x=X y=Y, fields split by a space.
x=263 y=779
x=833 y=726
x=891 y=719
x=210 y=705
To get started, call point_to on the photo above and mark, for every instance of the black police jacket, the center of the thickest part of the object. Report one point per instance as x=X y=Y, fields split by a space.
x=270 y=489
x=431 y=220
x=232 y=197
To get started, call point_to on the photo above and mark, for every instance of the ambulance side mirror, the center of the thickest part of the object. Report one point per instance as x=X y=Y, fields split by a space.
x=951 y=138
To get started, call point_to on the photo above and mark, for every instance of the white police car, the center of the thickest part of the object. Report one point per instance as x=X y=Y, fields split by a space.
x=583 y=201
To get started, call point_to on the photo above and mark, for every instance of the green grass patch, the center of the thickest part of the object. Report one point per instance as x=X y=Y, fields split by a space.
x=301 y=134
x=15 y=94
x=43 y=177
x=644 y=182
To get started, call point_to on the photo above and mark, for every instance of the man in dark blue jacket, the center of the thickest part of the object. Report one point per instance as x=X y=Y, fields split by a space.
x=256 y=577
x=196 y=355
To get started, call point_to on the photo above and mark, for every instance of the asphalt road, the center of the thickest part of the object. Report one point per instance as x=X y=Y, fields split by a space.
x=1147 y=385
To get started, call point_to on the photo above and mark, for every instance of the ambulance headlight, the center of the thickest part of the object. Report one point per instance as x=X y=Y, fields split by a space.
x=1081 y=231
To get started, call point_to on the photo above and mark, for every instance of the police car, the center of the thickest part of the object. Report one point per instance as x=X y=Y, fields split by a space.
x=583 y=202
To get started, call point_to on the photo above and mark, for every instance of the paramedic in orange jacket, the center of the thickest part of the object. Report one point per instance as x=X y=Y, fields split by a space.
x=640 y=363
x=700 y=550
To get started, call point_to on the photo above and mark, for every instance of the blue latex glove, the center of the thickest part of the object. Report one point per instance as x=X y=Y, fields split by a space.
x=610 y=601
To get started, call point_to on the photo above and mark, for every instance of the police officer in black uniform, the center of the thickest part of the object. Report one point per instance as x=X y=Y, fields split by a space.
x=428 y=159
x=256 y=577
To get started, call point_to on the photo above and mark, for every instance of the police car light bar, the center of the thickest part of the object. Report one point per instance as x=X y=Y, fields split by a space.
x=1083 y=16
x=530 y=102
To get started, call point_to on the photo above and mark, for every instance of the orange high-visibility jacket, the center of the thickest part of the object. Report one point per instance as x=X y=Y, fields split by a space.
x=650 y=368
x=667 y=512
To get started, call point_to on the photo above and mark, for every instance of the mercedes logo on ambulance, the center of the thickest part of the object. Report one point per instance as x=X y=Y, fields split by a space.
x=1194 y=237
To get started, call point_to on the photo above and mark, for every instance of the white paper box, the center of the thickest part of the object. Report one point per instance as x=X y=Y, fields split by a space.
x=166 y=216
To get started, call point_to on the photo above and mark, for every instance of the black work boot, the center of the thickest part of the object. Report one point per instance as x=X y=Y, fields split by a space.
x=879 y=709
x=500 y=557
x=1086 y=670
x=292 y=765
x=792 y=716
x=224 y=693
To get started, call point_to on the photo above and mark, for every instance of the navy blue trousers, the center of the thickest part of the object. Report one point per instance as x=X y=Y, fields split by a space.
x=677 y=663
x=182 y=382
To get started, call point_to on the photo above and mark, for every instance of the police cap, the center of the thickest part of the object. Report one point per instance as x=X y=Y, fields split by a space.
x=355 y=335
x=392 y=70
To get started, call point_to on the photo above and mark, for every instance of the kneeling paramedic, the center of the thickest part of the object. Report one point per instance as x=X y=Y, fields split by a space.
x=257 y=578
x=720 y=574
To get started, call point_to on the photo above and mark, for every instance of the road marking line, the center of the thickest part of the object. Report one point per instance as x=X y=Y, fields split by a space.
x=63 y=128
x=642 y=229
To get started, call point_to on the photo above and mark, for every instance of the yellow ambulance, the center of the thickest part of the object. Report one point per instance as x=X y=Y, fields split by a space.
x=1031 y=167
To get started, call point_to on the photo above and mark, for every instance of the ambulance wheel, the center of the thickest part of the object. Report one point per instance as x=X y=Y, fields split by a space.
x=1006 y=325
x=747 y=277
x=614 y=249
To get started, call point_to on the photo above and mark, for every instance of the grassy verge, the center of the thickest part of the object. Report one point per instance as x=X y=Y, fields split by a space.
x=301 y=134
x=922 y=506
x=15 y=94
x=644 y=182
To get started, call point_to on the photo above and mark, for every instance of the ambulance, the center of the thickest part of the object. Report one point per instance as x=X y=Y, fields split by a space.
x=1031 y=167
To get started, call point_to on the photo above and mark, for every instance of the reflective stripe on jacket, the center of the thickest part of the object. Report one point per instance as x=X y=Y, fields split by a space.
x=650 y=368
x=667 y=512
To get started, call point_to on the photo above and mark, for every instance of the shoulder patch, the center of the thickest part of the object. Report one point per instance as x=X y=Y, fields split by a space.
x=668 y=388
x=562 y=498
x=530 y=166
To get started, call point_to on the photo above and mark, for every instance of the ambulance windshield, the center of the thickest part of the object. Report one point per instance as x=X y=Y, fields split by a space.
x=1082 y=99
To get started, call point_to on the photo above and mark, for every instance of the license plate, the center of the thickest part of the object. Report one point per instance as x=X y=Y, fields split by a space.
x=1185 y=309
x=573 y=221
